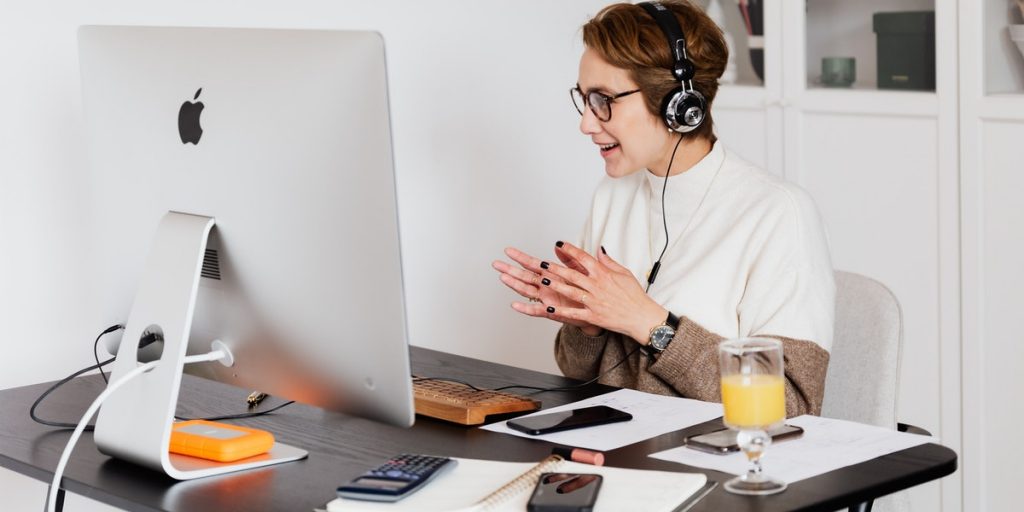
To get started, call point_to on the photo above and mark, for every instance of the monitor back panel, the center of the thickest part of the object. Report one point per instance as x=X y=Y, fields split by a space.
x=295 y=164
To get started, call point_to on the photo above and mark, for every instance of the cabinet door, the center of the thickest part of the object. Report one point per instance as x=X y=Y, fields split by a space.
x=881 y=166
x=991 y=141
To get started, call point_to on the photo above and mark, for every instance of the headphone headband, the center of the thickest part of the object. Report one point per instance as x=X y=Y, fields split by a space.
x=682 y=68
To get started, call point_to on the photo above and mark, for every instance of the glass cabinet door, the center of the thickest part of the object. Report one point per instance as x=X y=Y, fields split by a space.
x=870 y=44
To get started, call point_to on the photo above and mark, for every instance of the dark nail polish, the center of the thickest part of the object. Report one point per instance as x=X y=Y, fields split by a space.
x=559 y=243
x=545 y=282
x=551 y=309
x=544 y=265
x=604 y=251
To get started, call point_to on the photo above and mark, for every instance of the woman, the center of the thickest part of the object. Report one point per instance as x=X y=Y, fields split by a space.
x=731 y=250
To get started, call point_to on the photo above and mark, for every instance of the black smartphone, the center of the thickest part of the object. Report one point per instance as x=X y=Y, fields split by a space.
x=724 y=441
x=567 y=420
x=565 y=492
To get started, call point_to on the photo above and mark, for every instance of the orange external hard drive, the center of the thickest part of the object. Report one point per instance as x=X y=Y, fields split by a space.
x=218 y=441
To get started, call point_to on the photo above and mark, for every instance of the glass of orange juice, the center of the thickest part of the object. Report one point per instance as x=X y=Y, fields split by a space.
x=754 y=399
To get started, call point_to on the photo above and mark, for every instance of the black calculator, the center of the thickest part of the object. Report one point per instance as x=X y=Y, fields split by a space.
x=395 y=479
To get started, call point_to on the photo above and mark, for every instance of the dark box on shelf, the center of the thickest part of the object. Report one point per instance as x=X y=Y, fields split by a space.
x=906 y=50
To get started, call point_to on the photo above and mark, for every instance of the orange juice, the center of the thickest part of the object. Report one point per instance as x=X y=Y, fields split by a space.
x=753 y=401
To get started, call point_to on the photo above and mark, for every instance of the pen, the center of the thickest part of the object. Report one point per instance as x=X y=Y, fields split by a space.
x=579 y=455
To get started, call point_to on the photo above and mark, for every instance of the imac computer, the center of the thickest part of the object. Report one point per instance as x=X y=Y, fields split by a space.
x=242 y=190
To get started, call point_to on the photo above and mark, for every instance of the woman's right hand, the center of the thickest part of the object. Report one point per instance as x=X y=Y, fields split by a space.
x=526 y=281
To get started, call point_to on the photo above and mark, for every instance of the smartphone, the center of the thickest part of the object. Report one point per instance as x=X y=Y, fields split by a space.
x=565 y=492
x=724 y=441
x=567 y=420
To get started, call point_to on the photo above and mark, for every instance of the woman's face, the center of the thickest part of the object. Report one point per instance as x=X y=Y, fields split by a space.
x=633 y=139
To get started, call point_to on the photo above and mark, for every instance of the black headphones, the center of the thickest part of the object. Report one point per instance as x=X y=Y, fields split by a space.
x=683 y=108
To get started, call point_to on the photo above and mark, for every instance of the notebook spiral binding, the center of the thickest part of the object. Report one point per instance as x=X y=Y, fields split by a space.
x=520 y=484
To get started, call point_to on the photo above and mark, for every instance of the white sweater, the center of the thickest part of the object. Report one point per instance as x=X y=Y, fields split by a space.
x=753 y=259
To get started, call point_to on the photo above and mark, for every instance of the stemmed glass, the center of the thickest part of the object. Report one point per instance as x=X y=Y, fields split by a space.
x=754 y=399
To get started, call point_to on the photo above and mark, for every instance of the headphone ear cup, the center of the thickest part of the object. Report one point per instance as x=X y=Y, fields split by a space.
x=683 y=111
x=692 y=109
x=668 y=108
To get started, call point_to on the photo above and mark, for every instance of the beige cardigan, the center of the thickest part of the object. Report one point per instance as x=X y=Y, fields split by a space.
x=747 y=256
x=688 y=367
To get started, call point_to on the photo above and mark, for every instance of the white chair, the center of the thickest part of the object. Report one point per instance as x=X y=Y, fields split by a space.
x=864 y=364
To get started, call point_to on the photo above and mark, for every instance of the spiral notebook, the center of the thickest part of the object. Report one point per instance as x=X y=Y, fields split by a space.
x=493 y=486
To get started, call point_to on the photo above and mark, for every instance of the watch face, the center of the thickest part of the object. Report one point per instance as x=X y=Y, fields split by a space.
x=661 y=336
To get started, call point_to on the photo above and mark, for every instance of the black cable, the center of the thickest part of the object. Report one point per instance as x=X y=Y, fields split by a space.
x=32 y=410
x=95 y=346
x=457 y=381
x=99 y=365
x=574 y=386
x=664 y=218
x=535 y=388
x=240 y=415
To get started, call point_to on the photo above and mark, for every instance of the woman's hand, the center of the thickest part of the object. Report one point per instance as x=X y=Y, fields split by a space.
x=527 y=281
x=599 y=291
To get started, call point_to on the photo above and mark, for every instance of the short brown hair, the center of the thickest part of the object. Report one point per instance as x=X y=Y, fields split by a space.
x=627 y=37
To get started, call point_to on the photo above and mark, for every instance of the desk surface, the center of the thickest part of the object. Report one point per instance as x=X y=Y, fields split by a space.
x=341 y=447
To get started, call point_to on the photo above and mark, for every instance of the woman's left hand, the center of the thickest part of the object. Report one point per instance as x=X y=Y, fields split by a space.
x=609 y=294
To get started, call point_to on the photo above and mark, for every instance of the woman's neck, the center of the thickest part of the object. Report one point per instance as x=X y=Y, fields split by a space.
x=690 y=152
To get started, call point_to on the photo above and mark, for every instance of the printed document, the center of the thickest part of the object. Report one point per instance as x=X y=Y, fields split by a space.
x=826 y=445
x=653 y=415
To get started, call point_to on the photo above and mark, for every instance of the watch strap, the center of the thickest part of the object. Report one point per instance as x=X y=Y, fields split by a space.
x=672 y=321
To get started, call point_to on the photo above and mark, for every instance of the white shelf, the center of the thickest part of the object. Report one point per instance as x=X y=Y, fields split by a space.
x=871 y=102
x=1004 y=107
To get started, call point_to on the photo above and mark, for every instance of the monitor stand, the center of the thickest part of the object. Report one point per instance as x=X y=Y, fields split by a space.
x=135 y=422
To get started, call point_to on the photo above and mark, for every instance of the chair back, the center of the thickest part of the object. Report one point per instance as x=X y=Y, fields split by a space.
x=864 y=364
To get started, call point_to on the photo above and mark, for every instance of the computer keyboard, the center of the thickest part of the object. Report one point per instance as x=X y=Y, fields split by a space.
x=458 y=403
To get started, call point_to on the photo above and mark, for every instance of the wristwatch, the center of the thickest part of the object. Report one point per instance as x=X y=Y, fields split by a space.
x=662 y=335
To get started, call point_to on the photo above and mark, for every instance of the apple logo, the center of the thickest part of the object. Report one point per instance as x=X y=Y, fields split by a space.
x=188 y=120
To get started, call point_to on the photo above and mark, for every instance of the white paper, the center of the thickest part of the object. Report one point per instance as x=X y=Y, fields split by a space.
x=653 y=415
x=826 y=445
x=471 y=479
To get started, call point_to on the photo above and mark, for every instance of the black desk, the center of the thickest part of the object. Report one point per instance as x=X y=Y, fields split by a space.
x=341 y=447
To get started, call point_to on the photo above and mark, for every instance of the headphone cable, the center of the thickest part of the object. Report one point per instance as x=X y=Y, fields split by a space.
x=653 y=274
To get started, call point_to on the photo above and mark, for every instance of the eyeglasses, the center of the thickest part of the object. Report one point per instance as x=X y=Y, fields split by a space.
x=600 y=104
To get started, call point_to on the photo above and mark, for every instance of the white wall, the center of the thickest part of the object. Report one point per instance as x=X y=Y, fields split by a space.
x=486 y=148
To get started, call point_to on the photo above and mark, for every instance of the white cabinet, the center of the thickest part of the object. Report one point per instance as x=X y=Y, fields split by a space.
x=883 y=167
x=992 y=178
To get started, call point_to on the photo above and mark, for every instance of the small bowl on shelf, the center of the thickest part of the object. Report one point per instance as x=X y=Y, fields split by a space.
x=838 y=71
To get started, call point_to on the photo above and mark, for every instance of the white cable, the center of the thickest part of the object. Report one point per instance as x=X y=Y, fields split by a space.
x=212 y=355
x=51 y=499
